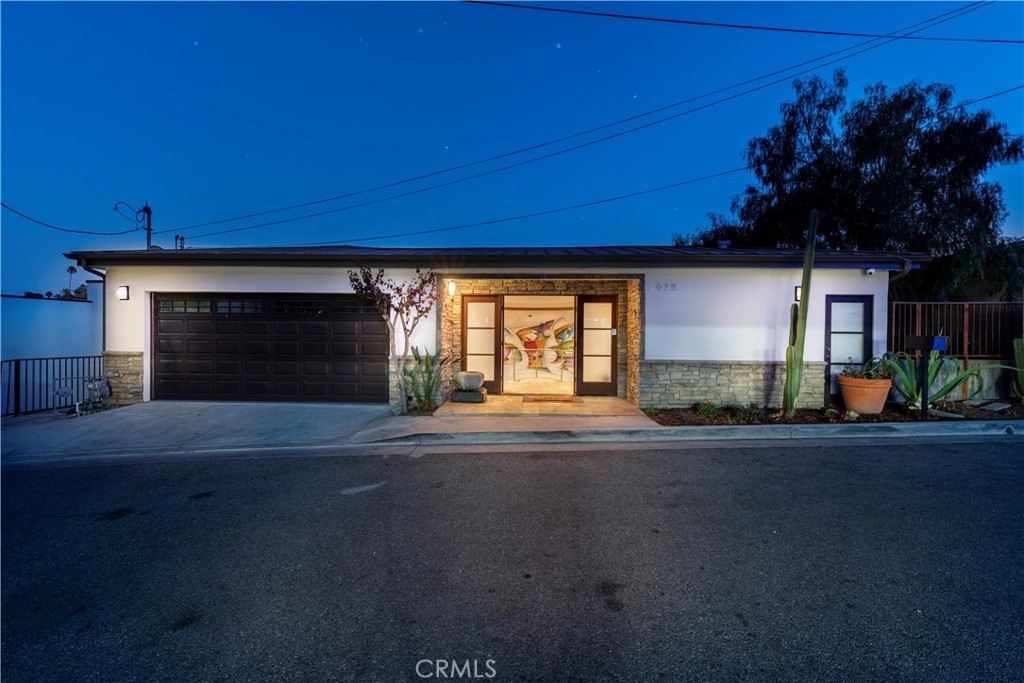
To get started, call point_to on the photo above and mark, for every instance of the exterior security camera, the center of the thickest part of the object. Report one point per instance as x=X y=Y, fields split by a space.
x=871 y=271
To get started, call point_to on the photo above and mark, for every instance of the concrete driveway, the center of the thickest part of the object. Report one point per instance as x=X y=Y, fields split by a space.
x=187 y=425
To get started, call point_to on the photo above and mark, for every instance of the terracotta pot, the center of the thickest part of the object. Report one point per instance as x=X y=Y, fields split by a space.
x=864 y=396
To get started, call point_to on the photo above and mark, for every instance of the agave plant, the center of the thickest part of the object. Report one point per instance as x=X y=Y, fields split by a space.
x=424 y=378
x=907 y=378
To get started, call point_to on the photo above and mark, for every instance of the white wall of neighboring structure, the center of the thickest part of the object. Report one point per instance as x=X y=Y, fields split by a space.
x=742 y=314
x=49 y=328
x=128 y=322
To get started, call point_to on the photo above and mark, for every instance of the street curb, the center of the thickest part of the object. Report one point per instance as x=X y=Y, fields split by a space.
x=714 y=433
x=994 y=428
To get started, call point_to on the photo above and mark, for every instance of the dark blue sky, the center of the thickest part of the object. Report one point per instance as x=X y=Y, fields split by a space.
x=211 y=110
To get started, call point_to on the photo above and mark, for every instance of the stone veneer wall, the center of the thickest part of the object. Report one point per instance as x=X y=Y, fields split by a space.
x=681 y=383
x=625 y=287
x=124 y=377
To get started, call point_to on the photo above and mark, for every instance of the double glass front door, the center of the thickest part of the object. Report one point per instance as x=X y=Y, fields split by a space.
x=542 y=344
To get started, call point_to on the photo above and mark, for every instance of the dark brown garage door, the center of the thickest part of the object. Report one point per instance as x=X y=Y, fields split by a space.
x=245 y=347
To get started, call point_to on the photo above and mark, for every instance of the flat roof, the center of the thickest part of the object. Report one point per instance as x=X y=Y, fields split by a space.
x=491 y=257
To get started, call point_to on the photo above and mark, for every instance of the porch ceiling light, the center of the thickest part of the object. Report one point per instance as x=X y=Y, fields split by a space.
x=122 y=292
x=796 y=294
x=451 y=288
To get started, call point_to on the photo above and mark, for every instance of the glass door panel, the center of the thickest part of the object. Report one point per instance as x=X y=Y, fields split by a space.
x=480 y=339
x=848 y=333
x=597 y=346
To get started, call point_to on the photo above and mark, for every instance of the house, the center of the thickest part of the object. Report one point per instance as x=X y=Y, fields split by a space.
x=655 y=325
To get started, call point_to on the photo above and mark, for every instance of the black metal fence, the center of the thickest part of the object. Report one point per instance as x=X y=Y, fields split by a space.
x=33 y=384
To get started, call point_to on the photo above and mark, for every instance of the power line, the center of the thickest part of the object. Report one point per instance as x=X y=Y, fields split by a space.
x=54 y=227
x=596 y=202
x=940 y=18
x=986 y=97
x=548 y=212
x=561 y=151
x=751 y=27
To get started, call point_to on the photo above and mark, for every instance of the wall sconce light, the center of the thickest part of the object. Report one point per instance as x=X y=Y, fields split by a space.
x=122 y=292
x=451 y=288
x=796 y=294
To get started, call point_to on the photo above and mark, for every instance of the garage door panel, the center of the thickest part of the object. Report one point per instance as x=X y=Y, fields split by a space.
x=200 y=386
x=257 y=367
x=227 y=388
x=229 y=367
x=257 y=347
x=257 y=327
x=345 y=348
x=320 y=328
x=316 y=348
x=198 y=366
x=316 y=368
x=170 y=346
x=375 y=389
x=350 y=367
x=170 y=366
x=287 y=388
x=197 y=326
x=268 y=348
x=170 y=326
x=370 y=368
x=345 y=327
x=258 y=389
x=316 y=389
x=373 y=348
x=232 y=347
x=286 y=368
x=288 y=349
x=198 y=346
x=345 y=388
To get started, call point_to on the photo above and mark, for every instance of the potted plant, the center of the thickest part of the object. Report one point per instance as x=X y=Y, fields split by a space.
x=865 y=390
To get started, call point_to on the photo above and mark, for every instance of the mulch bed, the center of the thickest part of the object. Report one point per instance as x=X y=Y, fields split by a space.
x=675 y=417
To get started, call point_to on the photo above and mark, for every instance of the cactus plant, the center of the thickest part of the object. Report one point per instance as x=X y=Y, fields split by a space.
x=798 y=325
x=1018 y=375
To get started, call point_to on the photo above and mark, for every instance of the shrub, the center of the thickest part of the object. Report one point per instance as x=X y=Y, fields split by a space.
x=424 y=379
x=707 y=408
x=752 y=413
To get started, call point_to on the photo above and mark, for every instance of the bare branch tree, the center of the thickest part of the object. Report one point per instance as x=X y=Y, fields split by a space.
x=402 y=305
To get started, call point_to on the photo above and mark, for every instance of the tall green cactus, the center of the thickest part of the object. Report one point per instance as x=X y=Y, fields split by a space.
x=1018 y=377
x=798 y=326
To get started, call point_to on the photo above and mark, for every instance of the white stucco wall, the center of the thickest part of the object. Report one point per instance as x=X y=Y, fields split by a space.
x=743 y=313
x=49 y=328
x=726 y=314
x=128 y=322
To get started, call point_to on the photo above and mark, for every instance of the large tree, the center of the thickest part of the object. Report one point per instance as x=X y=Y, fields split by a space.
x=898 y=170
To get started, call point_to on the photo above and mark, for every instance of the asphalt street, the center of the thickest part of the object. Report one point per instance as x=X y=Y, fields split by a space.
x=821 y=563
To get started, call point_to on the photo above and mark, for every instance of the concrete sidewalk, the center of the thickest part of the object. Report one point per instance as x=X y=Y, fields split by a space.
x=186 y=426
x=192 y=427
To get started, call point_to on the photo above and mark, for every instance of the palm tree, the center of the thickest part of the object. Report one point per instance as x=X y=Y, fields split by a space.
x=71 y=273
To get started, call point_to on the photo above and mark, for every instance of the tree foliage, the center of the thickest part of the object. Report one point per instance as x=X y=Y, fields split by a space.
x=898 y=170
x=402 y=305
